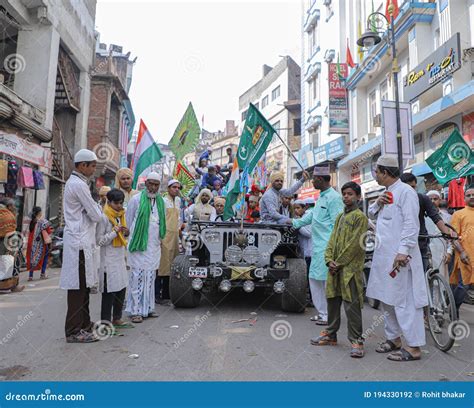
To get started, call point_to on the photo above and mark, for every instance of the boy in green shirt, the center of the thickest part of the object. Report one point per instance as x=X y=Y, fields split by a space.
x=345 y=257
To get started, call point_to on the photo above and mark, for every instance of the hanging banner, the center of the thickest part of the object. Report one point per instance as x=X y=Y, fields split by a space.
x=338 y=106
x=20 y=148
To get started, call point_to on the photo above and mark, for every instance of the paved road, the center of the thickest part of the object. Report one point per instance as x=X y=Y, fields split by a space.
x=204 y=344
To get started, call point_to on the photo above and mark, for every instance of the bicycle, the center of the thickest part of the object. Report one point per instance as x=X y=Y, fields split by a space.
x=442 y=313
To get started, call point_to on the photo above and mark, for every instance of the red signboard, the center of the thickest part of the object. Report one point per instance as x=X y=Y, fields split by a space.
x=338 y=106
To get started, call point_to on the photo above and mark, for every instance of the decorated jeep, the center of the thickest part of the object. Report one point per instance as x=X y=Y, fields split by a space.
x=221 y=256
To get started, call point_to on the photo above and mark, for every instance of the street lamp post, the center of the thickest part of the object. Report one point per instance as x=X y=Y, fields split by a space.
x=371 y=38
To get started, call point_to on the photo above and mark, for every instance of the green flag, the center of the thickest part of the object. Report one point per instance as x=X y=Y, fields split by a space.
x=256 y=136
x=186 y=135
x=452 y=160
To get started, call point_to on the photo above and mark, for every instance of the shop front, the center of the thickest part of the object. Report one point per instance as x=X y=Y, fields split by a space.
x=24 y=173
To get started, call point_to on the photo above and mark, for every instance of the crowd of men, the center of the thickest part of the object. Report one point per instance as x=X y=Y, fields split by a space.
x=124 y=245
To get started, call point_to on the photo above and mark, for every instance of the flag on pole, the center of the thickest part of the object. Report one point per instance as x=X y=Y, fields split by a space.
x=349 y=59
x=395 y=12
x=184 y=176
x=360 y=51
x=186 y=135
x=147 y=152
x=338 y=68
x=256 y=136
x=452 y=160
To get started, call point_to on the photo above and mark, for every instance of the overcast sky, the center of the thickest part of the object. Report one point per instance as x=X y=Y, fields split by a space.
x=208 y=53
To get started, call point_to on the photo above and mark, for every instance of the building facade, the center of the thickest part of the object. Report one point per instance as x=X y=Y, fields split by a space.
x=278 y=96
x=434 y=43
x=111 y=121
x=324 y=114
x=47 y=55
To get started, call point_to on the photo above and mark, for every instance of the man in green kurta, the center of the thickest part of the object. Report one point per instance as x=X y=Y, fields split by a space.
x=345 y=256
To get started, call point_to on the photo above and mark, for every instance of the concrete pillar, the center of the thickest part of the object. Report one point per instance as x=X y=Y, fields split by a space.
x=38 y=46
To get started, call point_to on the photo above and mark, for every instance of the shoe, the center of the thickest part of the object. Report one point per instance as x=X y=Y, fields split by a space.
x=321 y=322
x=30 y=278
x=82 y=337
x=357 y=350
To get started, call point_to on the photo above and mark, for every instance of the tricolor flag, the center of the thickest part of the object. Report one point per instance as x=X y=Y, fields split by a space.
x=147 y=152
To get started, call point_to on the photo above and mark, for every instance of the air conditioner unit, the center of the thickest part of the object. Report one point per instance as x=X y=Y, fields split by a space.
x=326 y=2
x=329 y=56
x=377 y=122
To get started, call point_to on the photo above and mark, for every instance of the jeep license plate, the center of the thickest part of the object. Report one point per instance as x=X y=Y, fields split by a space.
x=197 y=272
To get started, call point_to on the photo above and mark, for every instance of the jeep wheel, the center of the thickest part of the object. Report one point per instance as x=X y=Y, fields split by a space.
x=293 y=299
x=181 y=292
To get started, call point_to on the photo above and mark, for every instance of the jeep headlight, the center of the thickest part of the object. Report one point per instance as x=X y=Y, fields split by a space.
x=279 y=262
x=251 y=254
x=212 y=236
x=233 y=254
x=269 y=239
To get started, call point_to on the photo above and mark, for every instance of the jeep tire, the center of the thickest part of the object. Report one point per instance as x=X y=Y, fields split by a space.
x=293 y=299
x=181 y=292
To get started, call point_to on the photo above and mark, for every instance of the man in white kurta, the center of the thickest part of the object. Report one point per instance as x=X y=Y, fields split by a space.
x=79 y=268
x=144 y=263
x=403 y=296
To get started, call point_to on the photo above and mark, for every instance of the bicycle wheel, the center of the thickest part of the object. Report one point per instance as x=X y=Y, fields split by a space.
x=442 y=312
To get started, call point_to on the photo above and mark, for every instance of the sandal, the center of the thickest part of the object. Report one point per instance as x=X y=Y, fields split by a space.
x=123 y=325
x=43 y=277
x=137 y=319
x=30 y=278
x=324 y=339
x=387 y=346
x=321 y=322
x=153 y=315
x=82 y=337
x=402 y=355
x=357 y=350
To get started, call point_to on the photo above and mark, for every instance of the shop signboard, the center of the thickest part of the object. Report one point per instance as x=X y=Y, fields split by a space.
x=434 y=69
x=338 y=106
x=330 y=151
x=389 y=129
x=12 y=145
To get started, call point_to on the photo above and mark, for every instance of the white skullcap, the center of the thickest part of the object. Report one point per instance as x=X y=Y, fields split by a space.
x=153 y=176
x=388 y=160
x=434 y=192
x=173 y=181
x=309 y=201
x=85 y=155
x=299 y=202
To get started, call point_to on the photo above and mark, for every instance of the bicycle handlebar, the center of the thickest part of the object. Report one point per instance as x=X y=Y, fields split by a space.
x=445 y=236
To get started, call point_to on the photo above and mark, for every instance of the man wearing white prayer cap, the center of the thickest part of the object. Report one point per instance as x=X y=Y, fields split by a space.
x=170 y=243
x=79 y=269
x=321 y=218
x=396 y=276
x=147 y=220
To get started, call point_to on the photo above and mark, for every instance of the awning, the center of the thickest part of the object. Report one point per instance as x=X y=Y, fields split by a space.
x=421 y=169
x=365 y=152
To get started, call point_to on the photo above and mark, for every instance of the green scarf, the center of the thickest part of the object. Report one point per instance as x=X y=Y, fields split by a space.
x=139 y=240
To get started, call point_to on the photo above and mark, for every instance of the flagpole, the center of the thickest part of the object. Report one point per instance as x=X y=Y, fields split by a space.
x=291 y=153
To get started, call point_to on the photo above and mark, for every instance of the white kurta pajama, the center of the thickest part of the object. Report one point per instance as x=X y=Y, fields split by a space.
x=143 y=264
x=81 y=213
x=404 y=296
